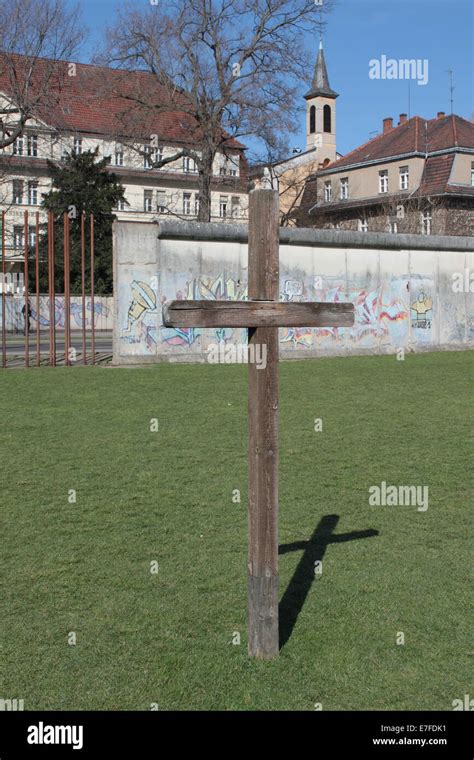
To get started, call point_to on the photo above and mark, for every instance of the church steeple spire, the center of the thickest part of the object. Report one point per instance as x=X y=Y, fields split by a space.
x=321 y=112
x=320 y=83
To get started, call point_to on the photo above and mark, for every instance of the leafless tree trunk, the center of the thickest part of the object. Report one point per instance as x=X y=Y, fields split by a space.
x=229 y=68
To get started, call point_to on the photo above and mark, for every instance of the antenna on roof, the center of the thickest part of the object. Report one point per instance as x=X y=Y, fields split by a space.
x=409 y=100
x=451 y=89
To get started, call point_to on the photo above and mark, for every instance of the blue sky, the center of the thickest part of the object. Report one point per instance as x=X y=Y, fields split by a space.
x=357 y=31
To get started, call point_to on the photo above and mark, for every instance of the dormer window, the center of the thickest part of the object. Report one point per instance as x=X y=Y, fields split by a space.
x=404 y=177
x=344 y=189
x=188 y=165
x=383 y=181
x=118 y=156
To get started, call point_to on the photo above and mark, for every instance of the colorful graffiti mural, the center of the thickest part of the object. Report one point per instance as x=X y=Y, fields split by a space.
x=102 y=316
x=381 y=313
x=421 y=311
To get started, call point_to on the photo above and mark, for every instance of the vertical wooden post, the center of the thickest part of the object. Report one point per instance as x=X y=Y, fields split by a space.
x=263 y=274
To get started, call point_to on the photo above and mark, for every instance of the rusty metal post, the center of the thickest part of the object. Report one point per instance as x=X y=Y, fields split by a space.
x=52 y=294
x=4 y=309
x=4 y=306
x=37 y=278
x=26 y=303
x=67 y=295
x=83 y=287
x=92 y=287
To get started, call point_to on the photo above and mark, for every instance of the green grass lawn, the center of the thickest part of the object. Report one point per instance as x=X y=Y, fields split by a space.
x=166 y=496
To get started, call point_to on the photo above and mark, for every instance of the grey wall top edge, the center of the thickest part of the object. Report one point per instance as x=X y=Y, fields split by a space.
x=238 y=233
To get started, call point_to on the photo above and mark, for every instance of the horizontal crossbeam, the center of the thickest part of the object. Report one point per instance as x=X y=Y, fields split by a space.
x=257 y=314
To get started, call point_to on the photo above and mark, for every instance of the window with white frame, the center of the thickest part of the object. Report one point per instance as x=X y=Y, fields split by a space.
x=472 y=173
x=235 y=207
x=148 y=200
x=17 y=191
x=120 y=204
x=161 y=202
x=228 y=168
x=18 y=146
x=404 y=177
x=344 y=189
x=327 y=191
x=392 y=226
x=151 y=156
x=363 y=225
x=32 y=145
x=77 y=145
x=187 y=198
x=188 y=165
x=426 y=222
x=118 y=155
x=33 y=193
x=223 y=206
x=32 y=237
x=197 y=204
x=383 y=181
x=18 y=237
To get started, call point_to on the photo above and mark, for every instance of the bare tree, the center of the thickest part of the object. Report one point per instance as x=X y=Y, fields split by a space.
x=37 y=38
x=229 y=68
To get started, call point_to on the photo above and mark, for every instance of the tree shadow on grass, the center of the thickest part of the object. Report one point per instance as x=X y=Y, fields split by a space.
x=313 y=551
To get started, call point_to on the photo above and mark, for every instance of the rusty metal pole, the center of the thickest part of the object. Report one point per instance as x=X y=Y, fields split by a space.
x=52 y=294
x=4 y=310
x=92 y=288
x=67 y=296
x=38 y=306
x=83 y=287
x=27 y=303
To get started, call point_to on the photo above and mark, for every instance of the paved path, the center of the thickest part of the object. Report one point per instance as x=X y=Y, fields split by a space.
x=16 y=344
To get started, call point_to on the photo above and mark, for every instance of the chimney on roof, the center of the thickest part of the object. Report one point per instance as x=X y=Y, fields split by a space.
x=403 y=118
x=440 y=115
x=387 y=124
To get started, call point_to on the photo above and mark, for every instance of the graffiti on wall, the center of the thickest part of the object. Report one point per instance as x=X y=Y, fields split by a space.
x=101 y=315
x=142 y=302
x=383 y=314
x=421 y=312
x=207 y=288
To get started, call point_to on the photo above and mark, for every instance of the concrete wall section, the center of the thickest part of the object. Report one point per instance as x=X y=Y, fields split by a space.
x=401 y=285
x=14 y=319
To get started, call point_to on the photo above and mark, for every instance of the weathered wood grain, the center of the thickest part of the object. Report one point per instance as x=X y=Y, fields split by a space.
x=257 y=313
x=263 y=639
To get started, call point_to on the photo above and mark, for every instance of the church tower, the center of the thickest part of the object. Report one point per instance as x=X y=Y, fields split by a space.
x=321 y=113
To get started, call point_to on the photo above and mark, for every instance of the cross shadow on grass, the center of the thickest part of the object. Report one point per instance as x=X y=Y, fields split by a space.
x=313 y=551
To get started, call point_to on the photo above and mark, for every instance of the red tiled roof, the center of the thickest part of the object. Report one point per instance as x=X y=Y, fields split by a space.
x=414 y=136
x=97 y=101
x=436 y=174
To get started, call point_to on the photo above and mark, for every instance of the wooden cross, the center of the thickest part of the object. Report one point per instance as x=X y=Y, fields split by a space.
x=262 y=314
